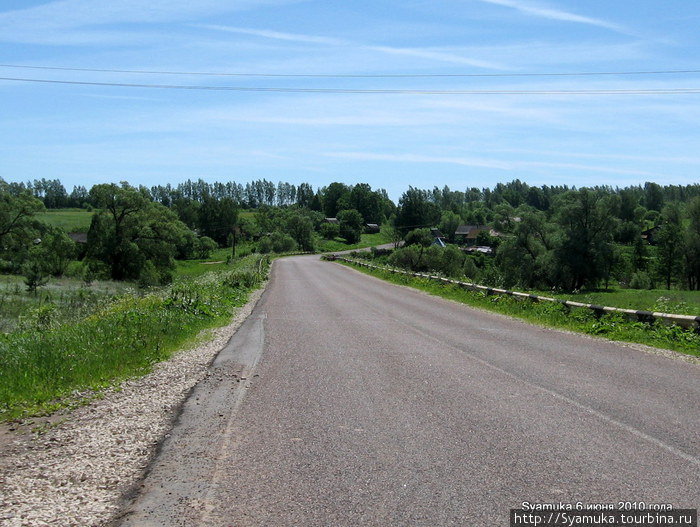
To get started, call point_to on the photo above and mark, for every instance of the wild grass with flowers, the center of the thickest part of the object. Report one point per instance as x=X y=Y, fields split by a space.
x=45 y=362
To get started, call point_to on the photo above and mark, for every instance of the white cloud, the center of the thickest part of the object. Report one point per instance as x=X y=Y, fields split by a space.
x=432 y=54
x=438 y=56
x=416 y=158
x=556 y=14
x=49 y=22
x=276 y=35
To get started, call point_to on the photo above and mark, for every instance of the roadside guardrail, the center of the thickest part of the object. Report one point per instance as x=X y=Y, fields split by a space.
x=686 y=321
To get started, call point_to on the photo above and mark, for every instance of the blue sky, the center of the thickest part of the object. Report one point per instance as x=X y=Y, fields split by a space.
x=91 y=134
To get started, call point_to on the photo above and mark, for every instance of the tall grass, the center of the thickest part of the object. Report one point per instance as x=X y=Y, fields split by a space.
x=661 y=300
x=41 y=366
x=611 y=326
x=68 y=299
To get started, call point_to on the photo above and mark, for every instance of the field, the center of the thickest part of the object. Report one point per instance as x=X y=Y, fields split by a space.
x=72 y=220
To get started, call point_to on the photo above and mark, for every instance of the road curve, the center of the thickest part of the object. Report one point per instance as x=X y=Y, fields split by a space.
x=364 y=403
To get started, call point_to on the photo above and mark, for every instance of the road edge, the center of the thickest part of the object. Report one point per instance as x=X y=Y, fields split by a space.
x=100 y=452
x=669 y=354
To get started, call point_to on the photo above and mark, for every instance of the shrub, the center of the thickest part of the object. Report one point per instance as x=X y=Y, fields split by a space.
x=205 y=246
x=350 y=225
x=241 y=279
x=419 y=237
x=75 y=269
x=329 y=230
x=265 y=245
x=35 y=275
x=470 y=270
x=282 y=243
x=405 y=258
x=641 y=280
x=149 y=276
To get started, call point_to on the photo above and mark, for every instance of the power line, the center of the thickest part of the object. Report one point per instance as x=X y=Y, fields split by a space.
x=677 y=91
x=356 y=76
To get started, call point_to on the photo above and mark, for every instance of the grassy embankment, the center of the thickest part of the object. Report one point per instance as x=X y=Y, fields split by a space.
x=215 y=262
x=613 y=326
x=45 y=360
x=660 y=300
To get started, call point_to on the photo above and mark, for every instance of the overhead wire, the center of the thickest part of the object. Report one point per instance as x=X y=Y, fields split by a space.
x=357 y=75
x=658 y=91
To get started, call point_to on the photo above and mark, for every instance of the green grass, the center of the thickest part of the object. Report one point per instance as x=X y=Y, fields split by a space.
x=69 y=299
x=662 y=300
x=43 y=364
x=215 y=262
x=71 y=220
x=366 y=240
x=613 y=326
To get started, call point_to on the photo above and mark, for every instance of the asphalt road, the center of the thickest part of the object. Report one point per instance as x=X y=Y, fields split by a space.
x=365 y=403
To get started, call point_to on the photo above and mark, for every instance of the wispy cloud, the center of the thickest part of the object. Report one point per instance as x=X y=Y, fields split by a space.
x=276 y=35
x=591 y=168
x=417 y=158
x=478 y=162
x=423 y=53
x=46 y=22
x=556 y=14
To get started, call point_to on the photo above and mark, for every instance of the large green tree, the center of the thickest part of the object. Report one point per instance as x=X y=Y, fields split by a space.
x=301 y=229
x=17 y=210
x=130 y=230
x=692 y=245
x=351 y=222
x=217 y=218
x=586 y=229
x=416 y=210
x=669 y=241
x=367 y=202
x=334 y=198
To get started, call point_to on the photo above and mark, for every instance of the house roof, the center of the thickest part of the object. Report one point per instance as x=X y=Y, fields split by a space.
x=78 y=237
x=331 y=220
x=470 y=231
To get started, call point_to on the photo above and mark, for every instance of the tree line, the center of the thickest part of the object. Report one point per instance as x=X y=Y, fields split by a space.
x=53 y=194
x=561 y=237
x=540 y=237
x=137 y=233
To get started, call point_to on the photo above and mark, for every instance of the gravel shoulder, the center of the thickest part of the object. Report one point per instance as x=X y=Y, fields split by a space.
x=80 y=468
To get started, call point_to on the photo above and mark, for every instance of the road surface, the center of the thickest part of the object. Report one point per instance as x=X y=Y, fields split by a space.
x=344 y=400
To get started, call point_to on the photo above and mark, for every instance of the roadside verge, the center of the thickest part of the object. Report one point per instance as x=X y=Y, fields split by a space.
x=76 y=472
x=610 y=325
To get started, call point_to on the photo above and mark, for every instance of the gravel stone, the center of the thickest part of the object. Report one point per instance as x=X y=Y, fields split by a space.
x=79 y=470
